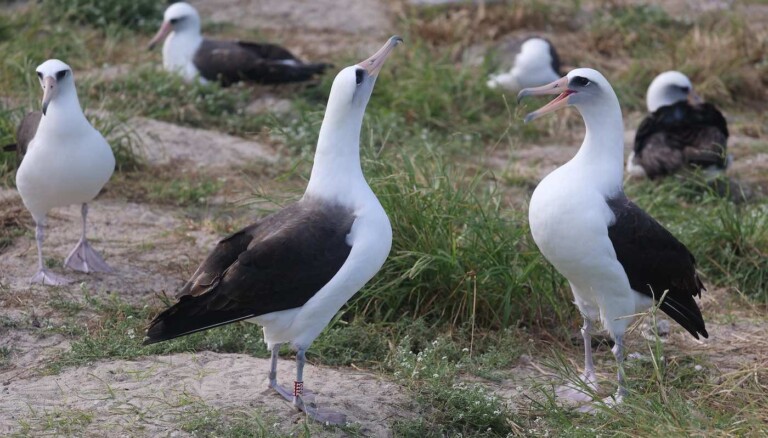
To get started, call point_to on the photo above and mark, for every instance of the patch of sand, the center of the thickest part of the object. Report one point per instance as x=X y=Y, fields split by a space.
x=149 y=397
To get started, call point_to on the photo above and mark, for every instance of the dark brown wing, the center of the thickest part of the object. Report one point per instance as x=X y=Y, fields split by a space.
x=233 y=61
x=680 y=135
x=278 y=263
x=655 y=262
x=25 y=133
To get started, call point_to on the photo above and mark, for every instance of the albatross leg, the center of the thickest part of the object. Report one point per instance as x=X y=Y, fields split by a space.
x=621 y=392
x=581 y=392
x=84 y=258
x=273 y=375
x=43 y=274
x=320 y=415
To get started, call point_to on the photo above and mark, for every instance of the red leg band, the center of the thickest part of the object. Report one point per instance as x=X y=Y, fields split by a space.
x=298 y=388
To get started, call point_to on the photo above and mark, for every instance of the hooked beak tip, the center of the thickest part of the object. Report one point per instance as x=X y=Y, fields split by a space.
x=521 y=95
x=529 y=117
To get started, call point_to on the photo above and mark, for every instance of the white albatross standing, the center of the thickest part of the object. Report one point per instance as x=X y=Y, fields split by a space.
x=66 y=162
x=617 y=258
x=535 y=64
x=291 y=271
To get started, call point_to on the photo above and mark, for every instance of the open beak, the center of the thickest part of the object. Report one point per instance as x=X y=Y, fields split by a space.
x=49 y=91
x=165 y=29
x=693 y=98
x=373 y=64
x=560 y=87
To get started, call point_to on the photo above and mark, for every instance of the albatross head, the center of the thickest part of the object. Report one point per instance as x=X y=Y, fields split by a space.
x=56 y=79
x=178 y=18
x=353 y=86
x=584 y=88
x=669 y=88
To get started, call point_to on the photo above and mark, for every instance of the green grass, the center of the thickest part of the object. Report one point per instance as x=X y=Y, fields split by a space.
x=141 y=14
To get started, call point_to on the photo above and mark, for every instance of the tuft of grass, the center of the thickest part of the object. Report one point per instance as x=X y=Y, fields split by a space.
x=68 y=422
x=458 y=256
x=135 y=14
x=729 y=241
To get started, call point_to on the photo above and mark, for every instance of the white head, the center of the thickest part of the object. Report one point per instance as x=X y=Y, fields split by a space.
x=669 y=88
x=57 y=81
x=179 y=18
x=534 y=64
x=584 y=88
x=351 y=91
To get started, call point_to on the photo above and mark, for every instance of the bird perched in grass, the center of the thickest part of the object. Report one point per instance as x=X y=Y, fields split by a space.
x=536 y=63
x=618 y=259
x=187 y=53
x=65 y=161
x=680 y=131
x=292 y=271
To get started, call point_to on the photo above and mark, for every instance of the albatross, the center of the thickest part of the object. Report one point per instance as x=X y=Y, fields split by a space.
x=187 y=53
x=618 y=260
x=679 y=132
x=65 y=161
x=535 y=64
x=291 y=271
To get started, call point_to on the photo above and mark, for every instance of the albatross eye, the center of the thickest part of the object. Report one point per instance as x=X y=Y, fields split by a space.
x=580 y=81
x=40 y=75
x=685 y=90
x=174 y=20
x=359 y=73
x=60 y=75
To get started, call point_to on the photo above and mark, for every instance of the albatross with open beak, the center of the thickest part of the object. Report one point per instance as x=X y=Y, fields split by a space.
x=292 y=271
x=187 y=53
x=618 y=260
x=66 y=162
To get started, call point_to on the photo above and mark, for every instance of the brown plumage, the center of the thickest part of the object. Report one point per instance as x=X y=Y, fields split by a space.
x=25 y=133
x=277 y=263
x=681 y=135
x=232 y=61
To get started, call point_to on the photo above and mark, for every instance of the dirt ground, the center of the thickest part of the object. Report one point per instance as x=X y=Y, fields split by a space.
x=153 y=248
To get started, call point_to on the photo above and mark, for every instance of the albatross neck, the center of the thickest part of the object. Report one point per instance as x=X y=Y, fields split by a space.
x=64 y=112
x=602 y=152
x=336 y=172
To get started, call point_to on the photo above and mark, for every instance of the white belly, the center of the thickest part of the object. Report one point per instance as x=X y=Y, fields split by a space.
x=570 y=227
x=56 y=173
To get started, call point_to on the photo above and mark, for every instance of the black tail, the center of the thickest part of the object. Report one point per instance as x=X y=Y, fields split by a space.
x=10 y=147
x=189 y=315
x=686 y=313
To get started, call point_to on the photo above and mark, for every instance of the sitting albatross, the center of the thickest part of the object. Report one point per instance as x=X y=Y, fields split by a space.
x=188 y=54
x=617 y=258
x=680 y=131
x=292 y=271
x=65 y=161
x=535 y=64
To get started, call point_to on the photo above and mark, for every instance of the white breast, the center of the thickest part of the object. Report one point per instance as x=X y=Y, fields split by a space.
x=178 y=53
x=64 y=168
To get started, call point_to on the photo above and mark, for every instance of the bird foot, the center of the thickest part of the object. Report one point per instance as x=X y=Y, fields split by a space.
x=578 y=392
x=85 y=259
x=47 y=277
x=305 y=404
x=609 y=402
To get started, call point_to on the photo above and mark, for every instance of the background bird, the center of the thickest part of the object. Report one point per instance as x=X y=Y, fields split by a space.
x=187 y=53
x=292 y=271
x=65 y=161
x=618 y=260
x=536 y=63
x=680 y=131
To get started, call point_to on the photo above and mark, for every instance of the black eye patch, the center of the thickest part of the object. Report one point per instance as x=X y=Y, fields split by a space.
x=40 y=75
x=359 y=75
x=685 y=89
x=580 y=81
x=60 y=75
x=174 y=20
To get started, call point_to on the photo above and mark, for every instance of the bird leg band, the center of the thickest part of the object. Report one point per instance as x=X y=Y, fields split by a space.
x=298 y=389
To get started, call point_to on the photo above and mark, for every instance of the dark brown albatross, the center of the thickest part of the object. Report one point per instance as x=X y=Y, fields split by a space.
x=188 y=54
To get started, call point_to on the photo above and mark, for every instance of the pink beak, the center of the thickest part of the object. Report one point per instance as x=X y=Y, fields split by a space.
x=165 y=29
